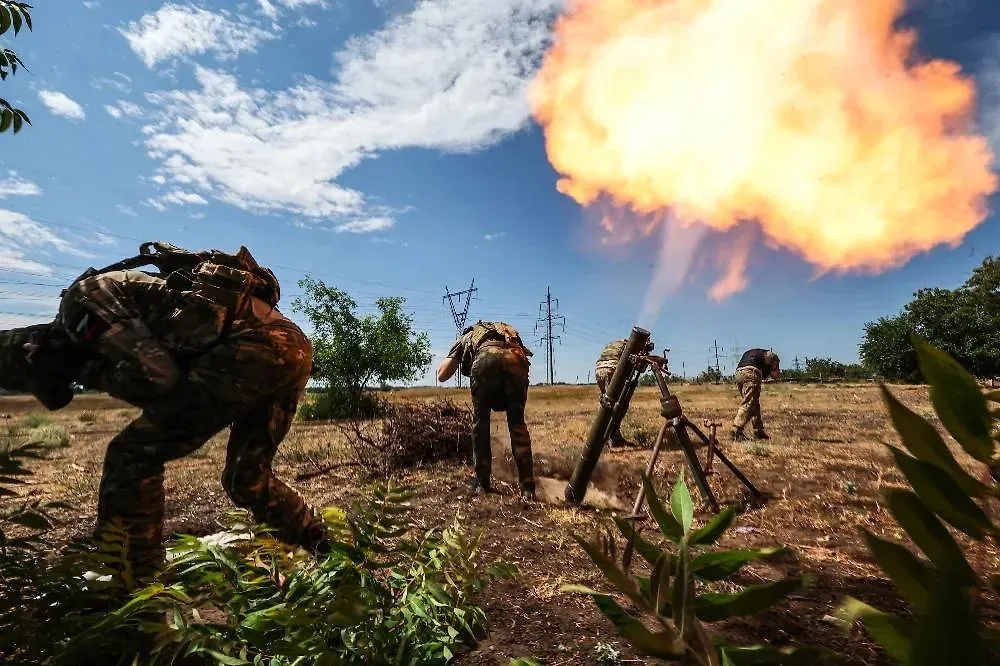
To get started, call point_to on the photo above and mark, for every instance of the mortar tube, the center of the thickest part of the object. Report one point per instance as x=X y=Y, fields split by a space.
x=576 y=489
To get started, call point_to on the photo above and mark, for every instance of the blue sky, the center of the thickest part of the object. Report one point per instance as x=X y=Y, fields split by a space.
x=388 y=146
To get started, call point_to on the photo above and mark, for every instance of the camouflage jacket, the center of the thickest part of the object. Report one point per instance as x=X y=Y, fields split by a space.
x=482 y=334
x=608 y=359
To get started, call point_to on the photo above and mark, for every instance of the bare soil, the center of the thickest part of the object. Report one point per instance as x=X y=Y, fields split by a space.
x=823 y=470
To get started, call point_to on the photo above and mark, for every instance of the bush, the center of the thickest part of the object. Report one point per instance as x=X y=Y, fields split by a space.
x=945 y=626
x=334 y=403
x=669 y=598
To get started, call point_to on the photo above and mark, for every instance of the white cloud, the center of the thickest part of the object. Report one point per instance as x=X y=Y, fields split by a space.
x=15 y=186
x=18 y=233
x=91 y=4
x=366 y=225
x=492 y=237
x=268 y=9
x=124 y=108
x=177 y=31
x=128 y=210
x=61 y=105
x=102 y=238
x=119 y=81
x=449 y=75
x=9 y=321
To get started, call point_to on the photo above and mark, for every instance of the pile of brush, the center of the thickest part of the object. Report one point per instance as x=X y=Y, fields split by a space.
x=411 y=434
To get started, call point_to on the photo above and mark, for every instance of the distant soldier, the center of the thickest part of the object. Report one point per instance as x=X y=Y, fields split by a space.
x=199 y=347
x=495 y=360
x=754 y=366
x=604 y=370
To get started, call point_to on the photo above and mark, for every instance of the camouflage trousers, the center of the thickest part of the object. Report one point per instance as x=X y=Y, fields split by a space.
x=252 y=382
x=499 y=382
x=603 y=376
x=748 y=381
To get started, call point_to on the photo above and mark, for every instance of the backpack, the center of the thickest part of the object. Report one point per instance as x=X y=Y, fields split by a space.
x=228 y=280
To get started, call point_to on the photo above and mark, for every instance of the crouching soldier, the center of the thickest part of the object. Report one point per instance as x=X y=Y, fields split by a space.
x=754 y=366
x=604 y=370
x=199 y=350
x=495 y=360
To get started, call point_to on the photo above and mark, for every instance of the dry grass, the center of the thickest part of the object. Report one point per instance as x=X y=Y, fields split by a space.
x=823 y=469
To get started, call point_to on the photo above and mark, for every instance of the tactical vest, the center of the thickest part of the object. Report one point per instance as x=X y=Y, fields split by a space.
x=228 y=280
x=486 y=332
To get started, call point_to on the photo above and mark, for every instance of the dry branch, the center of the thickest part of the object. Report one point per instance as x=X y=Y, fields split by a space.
x=412 y=434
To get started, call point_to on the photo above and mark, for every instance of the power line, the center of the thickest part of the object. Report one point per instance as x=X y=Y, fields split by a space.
x=546 y=320
x=715 y=345
x=459 y=316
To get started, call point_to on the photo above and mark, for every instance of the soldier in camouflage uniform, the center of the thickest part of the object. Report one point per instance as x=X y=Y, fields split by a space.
x=195 y=368
x=604 y=370
x=492 y=355
x=754 y=366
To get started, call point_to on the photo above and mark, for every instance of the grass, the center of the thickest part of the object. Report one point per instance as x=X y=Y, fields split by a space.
x=823 y=470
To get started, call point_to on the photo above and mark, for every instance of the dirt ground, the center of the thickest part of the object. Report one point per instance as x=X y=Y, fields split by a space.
x=823 y=471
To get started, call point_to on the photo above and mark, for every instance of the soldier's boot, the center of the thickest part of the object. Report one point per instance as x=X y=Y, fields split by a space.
x=528 y=491
x=760 y=434
x=737 y=435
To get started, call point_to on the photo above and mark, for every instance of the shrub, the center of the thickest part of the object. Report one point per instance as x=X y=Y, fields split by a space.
x=334 y=403
x=940 y=587
x=35 y=420
x=669 y=597
x=385 y=594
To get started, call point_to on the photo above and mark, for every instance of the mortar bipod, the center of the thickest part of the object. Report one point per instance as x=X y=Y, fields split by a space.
x=675 y=423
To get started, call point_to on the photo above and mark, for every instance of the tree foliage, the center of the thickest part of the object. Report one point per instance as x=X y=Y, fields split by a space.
x=962 y=322
x=352 y=352
x=13 y=17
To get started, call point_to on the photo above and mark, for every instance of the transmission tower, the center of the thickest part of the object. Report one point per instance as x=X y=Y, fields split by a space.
x=459 y=315
x=545 y=318
x=717 y=348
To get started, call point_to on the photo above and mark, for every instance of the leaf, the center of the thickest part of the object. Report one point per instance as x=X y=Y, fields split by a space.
x=659 y=581
x=662 y=644
x=887 y=630
x=925 y=443
x=993 y=396
x=646 y=550
x=4 y=19
x=721 y=564
x=715 y=606
x=947 y=633
x=942 y=494
x=17 y=122
x=16 y=20
x=615 y=575
x=681 y=505
x=957 y=399
x=5 y=119
x=911 y=577
x=669 y=527
x=751 y=655
x=707 y=535
x=929 y=534
x=31 y=520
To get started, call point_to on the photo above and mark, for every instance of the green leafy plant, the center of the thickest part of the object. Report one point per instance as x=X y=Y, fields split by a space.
x=672 y=597
x=940 y=587
x=13 y=16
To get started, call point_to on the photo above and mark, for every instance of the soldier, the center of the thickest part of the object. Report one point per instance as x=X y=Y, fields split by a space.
x=492 y=355
x=604 y=370
x=754 y=366
x=200 y=350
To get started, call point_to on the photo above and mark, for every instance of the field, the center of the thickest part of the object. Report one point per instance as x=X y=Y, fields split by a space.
x=823 y=470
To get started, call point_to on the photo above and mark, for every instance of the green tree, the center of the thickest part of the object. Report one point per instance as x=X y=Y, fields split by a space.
x=962 y=322
x=352 y=352
x=13 y=16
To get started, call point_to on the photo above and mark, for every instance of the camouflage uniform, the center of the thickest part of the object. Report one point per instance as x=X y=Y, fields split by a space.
x=193 y=372
x=604 y=370
x=750 y=372
x=496 y=362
